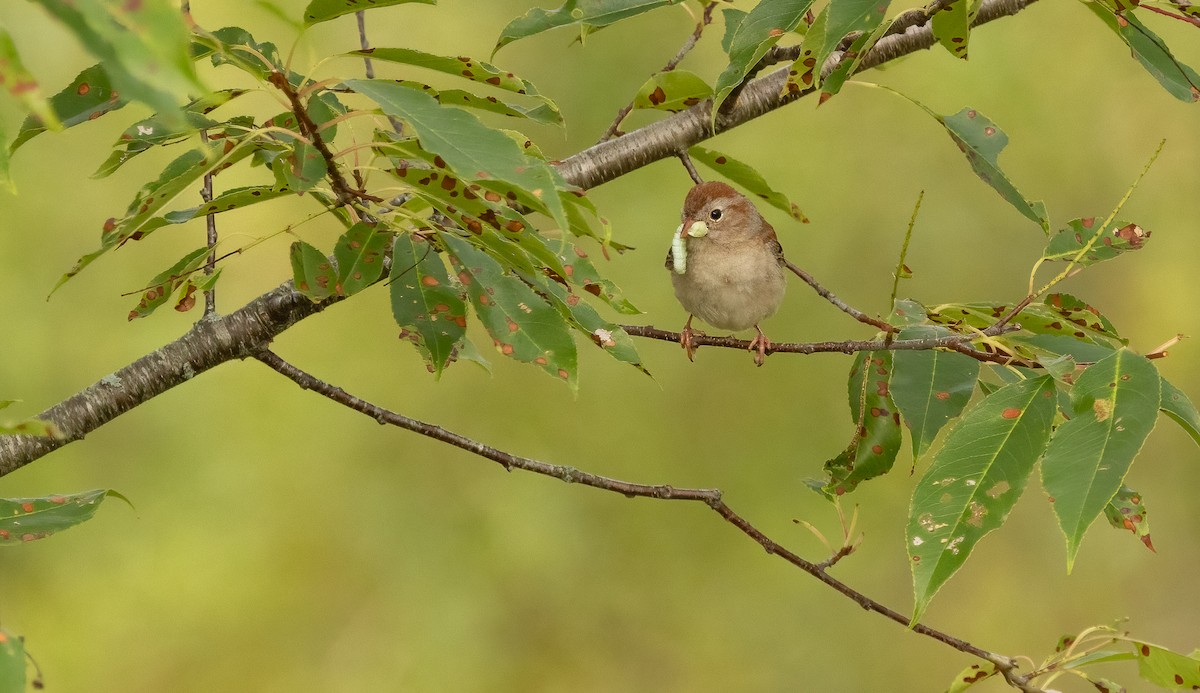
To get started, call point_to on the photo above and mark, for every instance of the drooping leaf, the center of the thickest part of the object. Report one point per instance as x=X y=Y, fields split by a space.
x=588 y=15
x=876 y=439
x=143 y=46
x=1126 y=510
x=1151 y=51
x=972 y=675
x=974 y=481
x=521 y=324
x=159 y=289
x=1114 y=406
x=1100 y=243
x=754 y=36
x=853 y=57
x=235 y=198
x=474 y=70
x=359 y=254
x=21 y=84
x=472 y=150
x=952 y=26
x=1062 y=324
x=312 y=273
x=1165 y=668
x=930 y=387
x=833 y=23
x=28 y=519
x=672 y=91
x=324 y=10
x=1180 y=409
x=746 y=176
x=426 y=304
x=89 y=96
x=155 y=131
x=233 y=45
x=582 y=273
x=12 y=662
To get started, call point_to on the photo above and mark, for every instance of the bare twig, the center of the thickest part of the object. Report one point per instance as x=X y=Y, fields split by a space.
x=691 y=168
x=1195 y=21
x=839 y=303
x=210 y=224
x=710 y=497
x=615 y=129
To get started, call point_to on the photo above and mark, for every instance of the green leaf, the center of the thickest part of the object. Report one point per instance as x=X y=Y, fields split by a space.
x=472 y=150
x=754 y=36
x=1165 y=668
x=746 y=176
x=457 y=97
x=1083 y=239
x=5 y=162
x=312 y=273
x=521 y=324
x=1180 y=409
x=733 y=19
x=1151 y=51
x=426 y=304
x=876 y=440
x=930 y=387
x=474 y=70
x=155 y=131
x=29 y=519
x=1127 y=511
x=833 y=23
x=974 y=481
x=159 y=289
x=325 y=10
x=20 y=83
x=236 y=198
x=952 y=26
x=235 y=46
x=304 y=167
x=672 y=91
x=588 y=15
x=971 y=676
x=12 y=662
x=1062 y=324
x=1114 y=406
x=143 y=46
x=89 y=96
x=359 y=254
x=853 y=57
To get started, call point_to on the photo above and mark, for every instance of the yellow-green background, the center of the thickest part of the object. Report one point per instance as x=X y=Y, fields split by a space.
x=283 y=543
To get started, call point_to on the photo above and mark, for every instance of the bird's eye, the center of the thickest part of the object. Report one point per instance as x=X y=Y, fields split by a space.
x=715 y=214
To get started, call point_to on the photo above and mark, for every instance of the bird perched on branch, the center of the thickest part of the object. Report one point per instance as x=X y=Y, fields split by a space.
x=726 y=264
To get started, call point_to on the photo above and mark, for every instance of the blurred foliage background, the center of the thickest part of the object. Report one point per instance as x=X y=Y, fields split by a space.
x=282 y=543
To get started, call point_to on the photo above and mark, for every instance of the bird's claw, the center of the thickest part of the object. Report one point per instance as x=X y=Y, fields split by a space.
x=686 y=340
x=761 y=345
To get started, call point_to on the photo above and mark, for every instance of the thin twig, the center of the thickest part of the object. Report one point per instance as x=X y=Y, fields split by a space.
x=615 y=129
x=691 y=168
x=900 y=266
x=710 y=497
x=210 y=223
x=839 y=303
x=1195 y=21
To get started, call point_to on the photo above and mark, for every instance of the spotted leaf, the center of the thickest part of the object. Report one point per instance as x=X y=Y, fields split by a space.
x=756 y=33
x=12 y=660
x=972 y=675
x=588 y=15
x=748 y=177
x=930 y=386
x=427 y=305
x=672 y=91
x=325 y=10
x=837 y=20
x=1085 y=242
x=522 y=325
x=89 y=96
x=876 y=439
x=974 y=481
x=1165 y=668
x=359 y=254
x=235 y=198
x=1126 y=510
x=952 y=26
x=312 y=273
x=1115 y=403
x=159 y=289
x=28 y=519
x=1180 y=80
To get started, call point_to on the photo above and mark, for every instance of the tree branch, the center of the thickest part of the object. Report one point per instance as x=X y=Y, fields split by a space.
x=710 y=497
x=245 y=331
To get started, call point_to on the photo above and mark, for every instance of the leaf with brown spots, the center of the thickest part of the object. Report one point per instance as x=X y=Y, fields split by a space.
x=89 y=96
x=359 y=255
x=325 y=10
x=312 y=273
x=1127 y=510
x=28 y=519
x=930 y=386
x=13 y=660
x=862 y=18
x=427 y=305
x=1047 y=330
x=522 y=325
x=747 y=177
x=1086 y=243
x=235 y=198
x=158 y=290
x=755 y=34
x=972 y=675
x=474 y=70
x=1151 y=51
x=876 y=439
x=589 y=16
x=974 y=480
x=672 y=91
x=1090 y=453
x=952 y=26
x=1165 y=668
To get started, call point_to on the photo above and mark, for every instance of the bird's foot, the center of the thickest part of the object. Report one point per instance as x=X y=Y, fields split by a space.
x=686 y=340
x=760 y=345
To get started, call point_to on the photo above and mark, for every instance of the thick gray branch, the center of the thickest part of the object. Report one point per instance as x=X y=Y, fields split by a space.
x=213 y=341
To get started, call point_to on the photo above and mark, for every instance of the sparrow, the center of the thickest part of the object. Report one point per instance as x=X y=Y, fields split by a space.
x=726 y=265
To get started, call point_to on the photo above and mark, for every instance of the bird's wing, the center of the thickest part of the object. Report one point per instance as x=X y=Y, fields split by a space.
x=670 y=261
x=772 y=243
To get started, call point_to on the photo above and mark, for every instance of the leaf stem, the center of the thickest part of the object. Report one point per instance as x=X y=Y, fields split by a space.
x=904 y=249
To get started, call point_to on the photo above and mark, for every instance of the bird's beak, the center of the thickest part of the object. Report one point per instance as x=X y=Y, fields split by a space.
x=697 y=229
